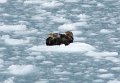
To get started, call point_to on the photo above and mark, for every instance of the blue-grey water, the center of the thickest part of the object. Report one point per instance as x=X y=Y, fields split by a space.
x=100 y=28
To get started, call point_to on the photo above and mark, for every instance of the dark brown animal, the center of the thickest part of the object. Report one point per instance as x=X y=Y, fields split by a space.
x=58 y=39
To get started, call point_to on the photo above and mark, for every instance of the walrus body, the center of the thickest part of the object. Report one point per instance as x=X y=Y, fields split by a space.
x=58 y=39
x=50 y=41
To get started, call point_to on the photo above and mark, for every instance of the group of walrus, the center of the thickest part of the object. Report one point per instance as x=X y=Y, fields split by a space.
x=58 y=38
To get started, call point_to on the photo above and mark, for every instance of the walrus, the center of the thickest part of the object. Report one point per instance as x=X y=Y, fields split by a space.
x=53 y=39
x=66 y=38
x=58 y=39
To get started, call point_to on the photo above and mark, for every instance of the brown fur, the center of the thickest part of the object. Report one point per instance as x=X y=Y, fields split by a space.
x=57 y=39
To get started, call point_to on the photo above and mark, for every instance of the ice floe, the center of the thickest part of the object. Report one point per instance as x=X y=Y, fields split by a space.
x=42 y=81
x=114 y=81
x=101 y=54
x=21 y=69
x=60 y=19
x=71 y=26
x=3 y=1
x=77 y=39
x=38 y=17
x=111 y=56
x=9 y=80
x=107 y=75
x=106 y=31
x=8 y=28
x=62 y=73
x=100 y=5
x=67 y=27
x=71 y=1
x=33 y=1
x=73 y=47
x=1 y=63
x=116 y=69
x=83 y=17
x=76 y=33
x=102 y=70
x=86 y=5
x=26 y=32
x=113 y=59
x=52 y=4
x=47 y=63
x=12 y=41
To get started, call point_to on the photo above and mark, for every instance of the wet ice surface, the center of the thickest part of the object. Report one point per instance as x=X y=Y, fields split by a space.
x=94 y=57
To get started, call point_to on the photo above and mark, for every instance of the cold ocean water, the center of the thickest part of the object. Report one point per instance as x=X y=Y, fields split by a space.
x=94 y=57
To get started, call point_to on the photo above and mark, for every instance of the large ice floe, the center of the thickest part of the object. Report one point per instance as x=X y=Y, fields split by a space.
x=73 y=47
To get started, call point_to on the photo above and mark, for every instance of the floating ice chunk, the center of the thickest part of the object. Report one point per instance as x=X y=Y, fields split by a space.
x=83 y=17
x=9 y=80
x=3 y=1
x=71 y=26
x=114 y=81
x=60 y=20
x=12 y=27
x=26 y=32
x=76 y=33
x=116 y=68
x=11 y=41
x=16 y=41
x=31 y=58
x=78 y=24
x=39 y=57
x=79 y=39
x=33 y=1
x=21 y=69
x=101 y=54
x=102 y=70
x=106 y=31
x=113 y=59
x=1 y=63
x=14 y=58
x=118 y=29
x=42 y=81
x=86 y=5
x=73 y=47
x=47 y=62
x=52 y=4
x=2 y=48
x=100 y=5
x=63 y=79
x=71 y=1
x=66 y=27
x=98 y=81
x=62 y=73
x=38 y=17
x=109 y=75
x=35 y=53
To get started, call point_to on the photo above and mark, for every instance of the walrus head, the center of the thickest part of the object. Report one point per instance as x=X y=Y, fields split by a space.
x=56 y=35
x=50 y=35
x=69 y=33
